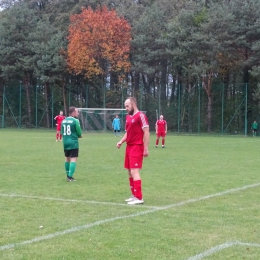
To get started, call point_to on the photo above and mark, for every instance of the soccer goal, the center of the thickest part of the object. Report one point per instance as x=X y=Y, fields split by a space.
x=100 y=119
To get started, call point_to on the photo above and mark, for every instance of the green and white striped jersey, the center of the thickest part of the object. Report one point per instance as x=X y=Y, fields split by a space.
x=71 y=131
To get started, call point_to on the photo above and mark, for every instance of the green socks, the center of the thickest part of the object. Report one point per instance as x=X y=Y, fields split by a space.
x=72 y=167
x=67 y=167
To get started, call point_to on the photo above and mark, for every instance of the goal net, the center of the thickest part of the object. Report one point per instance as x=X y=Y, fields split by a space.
x=101 y=119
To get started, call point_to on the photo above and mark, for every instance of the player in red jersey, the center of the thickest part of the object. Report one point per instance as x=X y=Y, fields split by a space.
x=137 y=138
x=59 y=119
x=161 y=130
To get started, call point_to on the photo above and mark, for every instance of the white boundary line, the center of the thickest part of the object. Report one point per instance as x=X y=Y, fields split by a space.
x=100 y=222
x=70 y=200
x=218 y=248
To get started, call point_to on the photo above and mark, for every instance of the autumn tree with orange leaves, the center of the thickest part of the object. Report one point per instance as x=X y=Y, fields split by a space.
x=99 y=42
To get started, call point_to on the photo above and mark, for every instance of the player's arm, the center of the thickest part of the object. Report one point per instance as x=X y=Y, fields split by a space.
x=156 y=127
x=165 y=127
x=55 y=118
x=146 y=140
x=122 y=140
x=78 y=129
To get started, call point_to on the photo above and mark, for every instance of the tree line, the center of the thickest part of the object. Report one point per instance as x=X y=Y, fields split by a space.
x=176 y=56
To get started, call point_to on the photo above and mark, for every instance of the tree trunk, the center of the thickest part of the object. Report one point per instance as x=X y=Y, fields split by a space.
x=209 y=117
x=163 y=80
x=113 y=80
x=173 y=90
x=189 y=109
x=1 y=94
x=147 y=83
x=27 y=91
x=207 y=85
x=136 y=83
x=64 y=99
x=46 y=104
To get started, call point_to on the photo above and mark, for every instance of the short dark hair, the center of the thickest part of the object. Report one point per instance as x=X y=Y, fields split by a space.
x=72 y=109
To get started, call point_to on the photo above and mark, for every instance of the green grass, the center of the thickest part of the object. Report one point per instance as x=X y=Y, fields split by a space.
x=190 y=167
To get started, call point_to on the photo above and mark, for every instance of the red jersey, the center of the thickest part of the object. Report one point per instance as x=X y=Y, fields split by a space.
x=161 y=124
x=134 y=128
x=59 y=119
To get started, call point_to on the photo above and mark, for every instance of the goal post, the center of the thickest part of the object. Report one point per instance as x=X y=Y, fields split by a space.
x=101 y=119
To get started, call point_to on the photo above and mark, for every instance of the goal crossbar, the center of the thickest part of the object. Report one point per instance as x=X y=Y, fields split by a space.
x=101 y=109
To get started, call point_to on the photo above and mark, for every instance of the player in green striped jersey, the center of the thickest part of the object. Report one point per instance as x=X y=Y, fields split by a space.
x=71 y=131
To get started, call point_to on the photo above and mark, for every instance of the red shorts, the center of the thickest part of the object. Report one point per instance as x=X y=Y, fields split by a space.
x=134 y=156
x=161 y=134
x=58 y=128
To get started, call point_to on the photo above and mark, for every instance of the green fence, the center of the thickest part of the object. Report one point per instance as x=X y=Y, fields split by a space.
x=185 y=107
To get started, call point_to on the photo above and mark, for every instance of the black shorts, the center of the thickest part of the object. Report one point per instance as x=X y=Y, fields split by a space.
x=71 y=153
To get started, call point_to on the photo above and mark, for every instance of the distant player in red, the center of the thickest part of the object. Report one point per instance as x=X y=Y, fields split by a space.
x=137 y=139
x=59 y=118
x=161 y=131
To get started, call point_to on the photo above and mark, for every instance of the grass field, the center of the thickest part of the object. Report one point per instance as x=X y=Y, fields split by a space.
x=201 y=199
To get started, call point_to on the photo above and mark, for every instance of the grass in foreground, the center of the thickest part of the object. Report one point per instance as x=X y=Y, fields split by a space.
x=190 y=167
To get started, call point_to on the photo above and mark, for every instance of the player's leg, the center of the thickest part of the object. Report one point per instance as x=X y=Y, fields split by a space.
x=67 y=165
x=135 y=163
x=157 y=140
x=163 y=142
x=115 y=132
x=67 y=162
x=57 y=135
x=163 y=139
x=73 y=162
x=137 y=188
x=58 y=132
x=72 y=169
x=60 y=136
x=130 y=178
x=131 y=185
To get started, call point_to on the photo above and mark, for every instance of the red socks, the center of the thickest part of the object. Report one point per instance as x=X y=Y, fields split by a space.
x=58 y=136
x=157 y=141
x=138 y=189
x=131 y=183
